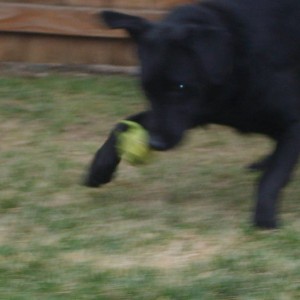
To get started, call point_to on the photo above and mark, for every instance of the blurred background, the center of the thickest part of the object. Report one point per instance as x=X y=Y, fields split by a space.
x=69 y=31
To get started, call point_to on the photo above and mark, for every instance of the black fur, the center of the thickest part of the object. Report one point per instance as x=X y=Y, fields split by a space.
x=229 y=62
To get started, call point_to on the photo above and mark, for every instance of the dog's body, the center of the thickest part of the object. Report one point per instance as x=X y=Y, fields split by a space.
x=229 y=62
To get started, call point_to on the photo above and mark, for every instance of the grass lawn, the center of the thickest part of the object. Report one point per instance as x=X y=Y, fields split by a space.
x=176 y=229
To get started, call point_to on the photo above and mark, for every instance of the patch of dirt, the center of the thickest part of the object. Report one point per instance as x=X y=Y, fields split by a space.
x=177 y=254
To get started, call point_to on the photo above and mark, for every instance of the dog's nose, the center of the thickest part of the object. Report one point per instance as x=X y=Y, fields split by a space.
x=157 y=143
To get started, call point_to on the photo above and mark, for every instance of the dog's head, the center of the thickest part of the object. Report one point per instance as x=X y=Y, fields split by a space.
x=182 y=60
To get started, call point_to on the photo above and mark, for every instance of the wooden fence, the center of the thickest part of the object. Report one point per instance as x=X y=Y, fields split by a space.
x=69 y=31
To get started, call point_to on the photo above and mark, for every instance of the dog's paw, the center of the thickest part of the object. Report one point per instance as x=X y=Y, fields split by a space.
x=101 y=170
x=99 y=174
x=265 y=223
x=95 y=181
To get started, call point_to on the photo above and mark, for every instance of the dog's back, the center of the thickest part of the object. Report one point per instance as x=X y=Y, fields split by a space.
x=271 y=26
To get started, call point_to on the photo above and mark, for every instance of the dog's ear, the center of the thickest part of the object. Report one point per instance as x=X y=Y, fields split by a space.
x=213 y=51
x=136 y=26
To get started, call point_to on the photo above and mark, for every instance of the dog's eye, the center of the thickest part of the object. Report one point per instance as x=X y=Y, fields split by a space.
x=182 y=90
x=178 y=88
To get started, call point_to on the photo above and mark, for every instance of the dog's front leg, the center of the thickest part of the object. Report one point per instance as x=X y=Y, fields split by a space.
x=106 y=158
x=276 y=176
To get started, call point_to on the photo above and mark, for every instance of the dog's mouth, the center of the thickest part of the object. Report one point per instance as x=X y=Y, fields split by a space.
x=163 y=143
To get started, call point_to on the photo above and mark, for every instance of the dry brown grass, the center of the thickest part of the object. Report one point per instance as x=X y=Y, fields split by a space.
x=177 y=228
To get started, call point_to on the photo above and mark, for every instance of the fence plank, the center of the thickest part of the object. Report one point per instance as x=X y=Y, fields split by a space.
x=70 y=31
x=66 y=50
x=117 y=4
x=58 y=20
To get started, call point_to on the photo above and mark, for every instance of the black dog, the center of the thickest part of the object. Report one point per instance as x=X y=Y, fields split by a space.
x=230 y=62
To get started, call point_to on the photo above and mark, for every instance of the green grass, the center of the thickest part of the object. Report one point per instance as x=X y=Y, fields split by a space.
x=178 y=228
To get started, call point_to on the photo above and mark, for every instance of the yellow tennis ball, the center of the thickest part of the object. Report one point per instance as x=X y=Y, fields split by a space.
x=133 y=144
